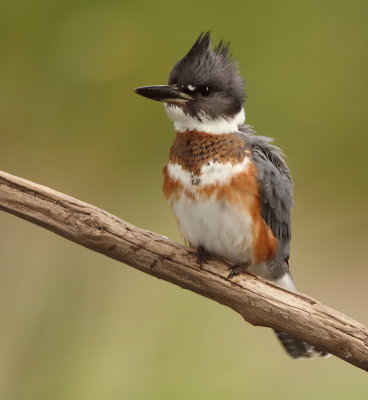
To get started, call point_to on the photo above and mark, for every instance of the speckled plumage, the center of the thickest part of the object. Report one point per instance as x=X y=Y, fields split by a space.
x=218 y=208
x=192 y=150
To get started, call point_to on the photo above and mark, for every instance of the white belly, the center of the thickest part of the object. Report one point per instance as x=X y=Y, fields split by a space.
x=216 y=225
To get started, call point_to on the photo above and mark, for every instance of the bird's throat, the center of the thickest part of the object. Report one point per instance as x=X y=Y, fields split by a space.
x=185 y=122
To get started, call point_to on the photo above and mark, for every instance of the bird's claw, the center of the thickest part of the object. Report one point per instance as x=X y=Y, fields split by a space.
x=202 y=257
x=236 y=269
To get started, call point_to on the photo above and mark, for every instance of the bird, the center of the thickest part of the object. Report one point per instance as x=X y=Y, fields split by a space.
x=230 y=189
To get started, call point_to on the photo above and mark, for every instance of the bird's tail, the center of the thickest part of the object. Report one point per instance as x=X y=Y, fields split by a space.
x=296 y=348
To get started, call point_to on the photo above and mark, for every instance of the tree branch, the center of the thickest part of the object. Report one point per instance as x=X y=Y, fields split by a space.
x=257 y=300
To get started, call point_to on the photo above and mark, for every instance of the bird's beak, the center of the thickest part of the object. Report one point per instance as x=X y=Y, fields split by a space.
x=166 y=93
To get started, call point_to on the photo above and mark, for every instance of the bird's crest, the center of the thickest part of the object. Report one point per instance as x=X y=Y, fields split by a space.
x=204 y=65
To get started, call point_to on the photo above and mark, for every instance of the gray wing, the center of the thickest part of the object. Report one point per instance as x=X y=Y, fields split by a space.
x=275 y=185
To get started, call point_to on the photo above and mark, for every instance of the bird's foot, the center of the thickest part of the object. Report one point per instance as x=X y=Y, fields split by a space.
x=202 y=256
x=236 y=269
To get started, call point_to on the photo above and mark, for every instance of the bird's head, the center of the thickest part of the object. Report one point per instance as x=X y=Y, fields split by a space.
x=205 y=91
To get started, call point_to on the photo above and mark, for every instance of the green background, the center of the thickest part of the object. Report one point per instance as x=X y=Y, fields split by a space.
x=76 y=325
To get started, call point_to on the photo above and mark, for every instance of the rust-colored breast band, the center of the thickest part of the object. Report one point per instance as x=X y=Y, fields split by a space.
x=192 y=149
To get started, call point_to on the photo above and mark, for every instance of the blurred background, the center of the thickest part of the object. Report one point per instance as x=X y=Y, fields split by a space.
x=77 y=325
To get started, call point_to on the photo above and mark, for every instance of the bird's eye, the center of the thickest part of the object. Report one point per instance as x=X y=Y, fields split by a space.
x=205 y=91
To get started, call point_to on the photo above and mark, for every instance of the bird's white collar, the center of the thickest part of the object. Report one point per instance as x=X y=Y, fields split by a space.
x=184 y=122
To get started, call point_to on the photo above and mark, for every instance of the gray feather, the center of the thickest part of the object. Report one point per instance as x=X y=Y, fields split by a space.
x=276 y=187
x=276 y=190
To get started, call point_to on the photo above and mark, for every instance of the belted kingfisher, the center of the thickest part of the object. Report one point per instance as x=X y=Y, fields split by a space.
x=230 y=190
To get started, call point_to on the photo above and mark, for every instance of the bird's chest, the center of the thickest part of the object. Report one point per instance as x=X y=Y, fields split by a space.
x=219 y=226
x=211 y=187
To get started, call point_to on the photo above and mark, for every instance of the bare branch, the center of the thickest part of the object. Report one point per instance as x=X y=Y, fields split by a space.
x=257 y=300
